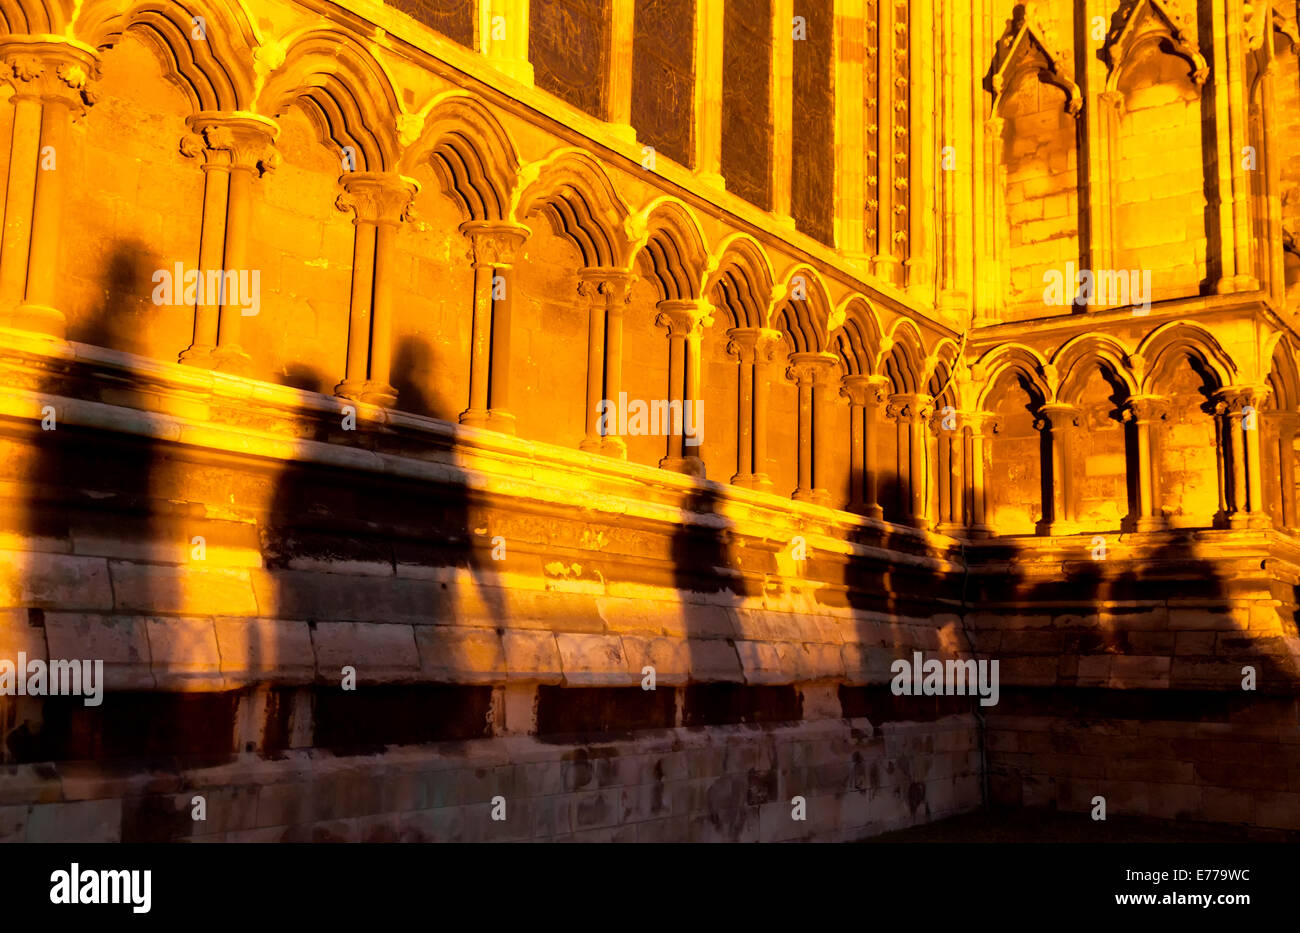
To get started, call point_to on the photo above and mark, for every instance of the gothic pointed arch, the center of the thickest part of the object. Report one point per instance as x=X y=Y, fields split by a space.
x=903 y=358
x=1026 y=48
x=857 y=339
x=804 y=311
x=1178 y=341
x=344 y=92
x=575 y=195
x=1139 y=23
x=471 y=154
x=671 y=250
x=742 y=281
x=206 y=46
x=1019 y=361
x=1078 y=359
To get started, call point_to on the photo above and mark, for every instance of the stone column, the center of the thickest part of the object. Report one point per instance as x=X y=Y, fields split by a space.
x=1060 y=421
x=685 y=322
x=753 y=349
x=236 y=149
x=865 y=394
x=1287 y=425
x=911 y=413
x=1144 y=412
x=606 y=292
x=494 y=246
x=951 y=477
x=1226 y=33
x=50 y=78
x=981 y=424
x=1240 y=409
x=811 y=372
x=883 y=263
x=379 y=201
x=850 y=131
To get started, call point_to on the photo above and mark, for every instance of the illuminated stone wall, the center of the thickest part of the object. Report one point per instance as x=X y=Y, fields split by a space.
x=455 y=228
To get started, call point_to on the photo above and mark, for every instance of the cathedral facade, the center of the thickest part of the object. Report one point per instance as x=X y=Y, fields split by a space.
x=595 y=419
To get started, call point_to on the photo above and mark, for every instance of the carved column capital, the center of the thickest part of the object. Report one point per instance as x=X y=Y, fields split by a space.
x=377 y=197
x=687 y=318
x=235 y=140
x=1057 y=415
x=1233 y=399
x=494 y=243
x=606 y=288
x=52 y=70
x=861 y=389
x=909 y=407
x=1144 y=409
x=811 y=369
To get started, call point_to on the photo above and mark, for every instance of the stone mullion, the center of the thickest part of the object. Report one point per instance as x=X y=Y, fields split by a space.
x=509 y=53
x=480 y=345
x=921 y=156
x=710 y=36
x=618 y=77
x=742 y=344
x=850 y=148
x=883 y=265
x=782 y=93
x=1227 y=79
x=1097 y=143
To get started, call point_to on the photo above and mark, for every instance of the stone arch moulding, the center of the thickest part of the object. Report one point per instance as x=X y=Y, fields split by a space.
x=1161 y=347
x=577 y=197
x=802 y=310
x=1024 y=35
x=1139 y=22
x=34 y=17
x=1013 y=358
x=857 y=339
x=348 y=96
x=741 y=283
x=470 y=152
x=902 y=358
x=206 y=47
x=670 y=244
x=1075 y=361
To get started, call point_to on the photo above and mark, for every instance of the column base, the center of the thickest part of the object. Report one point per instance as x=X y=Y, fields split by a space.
x=951 y=529
x=501 y=420
x=690 y=466
x=379 y=393
x=614 y=446
x=815 y=496
x=591 y=445
x=200 y=357
x=761 y=481
x=1057 y=529
x=474 y=417
x=1147 y=523
x=39 y=319
x=231 y=360
x=981 y=531
x=350 y=389
x=743 y=480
